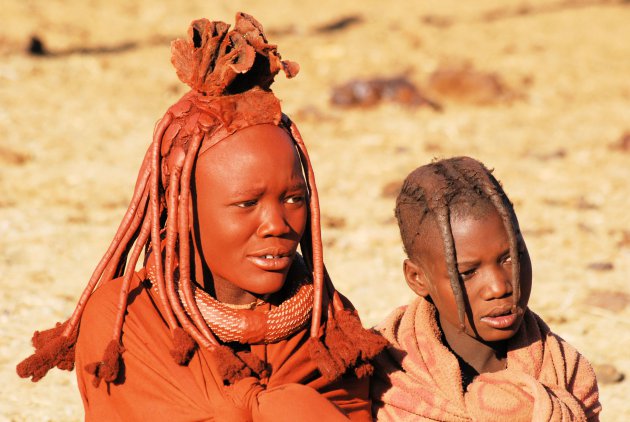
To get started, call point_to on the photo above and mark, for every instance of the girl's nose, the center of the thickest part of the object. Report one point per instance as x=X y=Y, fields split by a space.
x=273 y=222
x=498 y=283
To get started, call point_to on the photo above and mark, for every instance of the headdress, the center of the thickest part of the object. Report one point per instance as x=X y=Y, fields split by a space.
x=230 y=73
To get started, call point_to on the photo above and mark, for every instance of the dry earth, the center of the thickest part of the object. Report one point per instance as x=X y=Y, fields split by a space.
x=547 y=108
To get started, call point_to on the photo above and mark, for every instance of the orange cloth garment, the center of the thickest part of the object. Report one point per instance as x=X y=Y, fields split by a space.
x=153 y=387
x=419 y=378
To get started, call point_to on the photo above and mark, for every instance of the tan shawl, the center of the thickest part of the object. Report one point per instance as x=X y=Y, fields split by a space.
x=418 y=378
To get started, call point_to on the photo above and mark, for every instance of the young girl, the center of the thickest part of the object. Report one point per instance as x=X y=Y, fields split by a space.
x=225 y=320
x=468 y=348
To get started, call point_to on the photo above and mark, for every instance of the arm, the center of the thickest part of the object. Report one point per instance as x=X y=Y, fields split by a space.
x=566 y=388
x=288 y=402
x=150 y=386
x=519 y=397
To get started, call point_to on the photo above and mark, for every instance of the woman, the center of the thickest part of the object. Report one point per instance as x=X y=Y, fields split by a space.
x=227 y=320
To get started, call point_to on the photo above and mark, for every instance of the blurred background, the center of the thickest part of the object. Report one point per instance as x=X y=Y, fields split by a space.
x=537 y=90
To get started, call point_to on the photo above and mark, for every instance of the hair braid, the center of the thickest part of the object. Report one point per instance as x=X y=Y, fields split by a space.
x=484 y=180
x=184 y=241
x=143 y=236
x=155 y=216
x=139 y=195
x=108 y=367
x=441 y=207
x=443 y=219
x=317 y=254
x=170 y=291
x=118 y=262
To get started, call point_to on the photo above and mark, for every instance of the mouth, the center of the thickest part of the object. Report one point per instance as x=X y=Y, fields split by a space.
x=501 y=317
x=272 y=260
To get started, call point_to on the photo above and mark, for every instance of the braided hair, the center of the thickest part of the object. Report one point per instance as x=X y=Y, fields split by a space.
x=439 y=190
x=230 y=73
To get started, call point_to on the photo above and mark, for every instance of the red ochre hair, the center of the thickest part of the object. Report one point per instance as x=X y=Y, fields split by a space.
x=230 y=73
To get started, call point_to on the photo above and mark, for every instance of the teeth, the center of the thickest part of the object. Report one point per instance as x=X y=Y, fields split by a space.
x=269 y=257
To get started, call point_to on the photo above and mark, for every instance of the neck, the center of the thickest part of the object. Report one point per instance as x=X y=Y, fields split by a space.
x=480 y=355
x=228 y=293
x=223 y=291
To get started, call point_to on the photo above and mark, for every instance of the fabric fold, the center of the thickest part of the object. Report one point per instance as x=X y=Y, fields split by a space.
x=154 y=387
x=418 y=377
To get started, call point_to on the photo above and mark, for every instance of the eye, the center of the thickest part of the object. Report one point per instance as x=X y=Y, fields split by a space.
x=466 y=275
x=247 y=204
x=295 y=199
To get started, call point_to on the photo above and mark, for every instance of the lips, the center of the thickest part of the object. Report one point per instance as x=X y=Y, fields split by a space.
x=272 y=259
x=500 y=317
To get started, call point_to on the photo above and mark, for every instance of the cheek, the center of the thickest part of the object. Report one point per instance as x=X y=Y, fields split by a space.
x=204 y=211
x=212 y=234
x=526 y=279
x=445 y=299
x=297 y=220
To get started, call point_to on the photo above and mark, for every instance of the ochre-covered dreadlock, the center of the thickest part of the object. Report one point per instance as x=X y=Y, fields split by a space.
x=230 y=73
x=438 y=190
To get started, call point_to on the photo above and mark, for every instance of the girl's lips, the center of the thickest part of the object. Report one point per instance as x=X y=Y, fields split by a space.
x=271 y=262
x=501 y=321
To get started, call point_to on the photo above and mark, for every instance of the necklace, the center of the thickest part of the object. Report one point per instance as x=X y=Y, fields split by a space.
x=250 y=306
x=231 y=324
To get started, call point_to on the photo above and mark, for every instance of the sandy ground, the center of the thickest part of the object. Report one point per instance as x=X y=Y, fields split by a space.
x=74 y=126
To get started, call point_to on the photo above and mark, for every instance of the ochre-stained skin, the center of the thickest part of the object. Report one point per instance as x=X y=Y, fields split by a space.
x=468 y=347
x=230 y=73
x=432 y=190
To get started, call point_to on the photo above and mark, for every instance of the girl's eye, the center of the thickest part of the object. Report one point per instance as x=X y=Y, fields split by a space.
x=465 y=275
x=246 y=204
x=295 y=199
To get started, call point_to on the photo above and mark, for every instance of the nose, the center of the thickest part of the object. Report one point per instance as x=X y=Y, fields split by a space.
x=273 y=221
x=497 y=283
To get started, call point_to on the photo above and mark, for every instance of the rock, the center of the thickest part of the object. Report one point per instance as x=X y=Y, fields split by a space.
x=614 y=301
x=608 y=374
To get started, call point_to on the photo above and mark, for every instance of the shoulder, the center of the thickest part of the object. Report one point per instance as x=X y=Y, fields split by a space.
x=390 y=359
x=102 y=306
x=96 y=328
x=563 y=365
x=390 y=326
x=408 y=321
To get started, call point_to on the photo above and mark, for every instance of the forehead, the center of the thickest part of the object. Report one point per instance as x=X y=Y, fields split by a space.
x=249 y=155
x=474 y=231
x=476 y=235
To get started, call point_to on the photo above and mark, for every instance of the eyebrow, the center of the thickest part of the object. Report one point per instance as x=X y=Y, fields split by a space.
x=467 y=264
x=300 y=184
x=254 y=191
x=248 y=192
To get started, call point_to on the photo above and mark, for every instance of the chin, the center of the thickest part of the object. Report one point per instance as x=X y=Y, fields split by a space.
x=497 y=336
x=268 y=284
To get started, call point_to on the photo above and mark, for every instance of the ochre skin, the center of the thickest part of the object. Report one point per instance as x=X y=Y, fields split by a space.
x=227 y=134
x=485 y=268
x=253 y=204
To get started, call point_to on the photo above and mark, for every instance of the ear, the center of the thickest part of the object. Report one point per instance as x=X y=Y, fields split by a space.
x=416 y=278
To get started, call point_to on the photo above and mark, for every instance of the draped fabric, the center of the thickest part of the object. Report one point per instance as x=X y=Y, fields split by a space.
x=418 y=378
x=153 y=387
